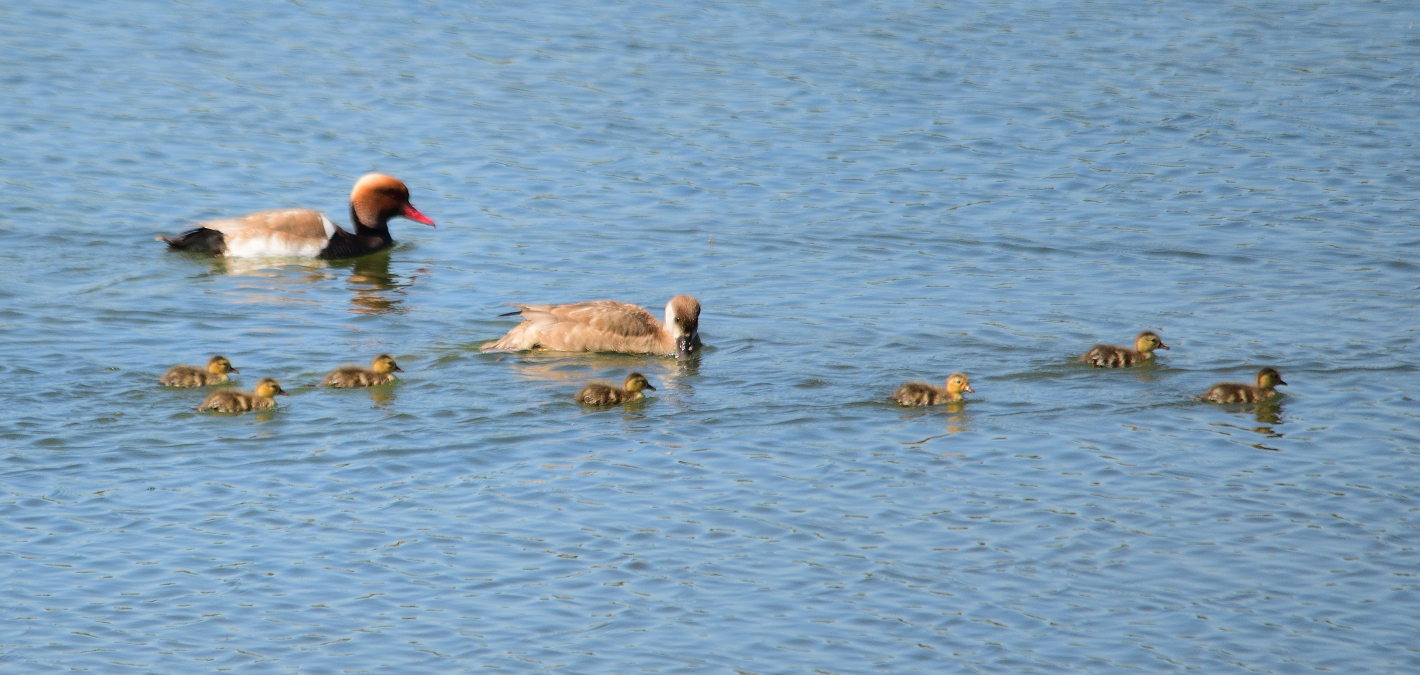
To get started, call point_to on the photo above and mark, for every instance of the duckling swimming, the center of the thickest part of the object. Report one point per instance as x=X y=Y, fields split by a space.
x=1236 y=392
x=379 y=372
x=233 y=401
x=1110 y=356
x=192 y=376
x=605 y=393
x=921 y=393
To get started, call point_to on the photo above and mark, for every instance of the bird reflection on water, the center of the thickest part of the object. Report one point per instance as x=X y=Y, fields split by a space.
x=375 y=288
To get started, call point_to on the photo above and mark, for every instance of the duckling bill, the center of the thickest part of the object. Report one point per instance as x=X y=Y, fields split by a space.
x=1111 y=356
x=232 y=401
x=192 y=376
x=921 y=393
x=381 y=371
x=1268 y=380
x=605 y=393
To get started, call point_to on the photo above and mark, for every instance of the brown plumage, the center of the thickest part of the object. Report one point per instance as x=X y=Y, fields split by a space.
x=303 y=233
x=380 y=372
x=605 y=326
x=192 y=376
x=921 y=393
x=1235 y=392
x=1110 y=356
x=605 y=393
x=233 y=401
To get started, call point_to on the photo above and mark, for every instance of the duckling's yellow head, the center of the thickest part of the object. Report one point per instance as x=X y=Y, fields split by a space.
x=221 y=366
x=1148 y=341
x=268 y=387
x=1269 y=378
x=958 y=383
x=384 y=364
x=638 y=382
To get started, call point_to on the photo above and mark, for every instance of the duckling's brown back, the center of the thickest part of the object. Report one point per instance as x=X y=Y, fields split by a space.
x=1110 y=356
x=1231 y=392
x=188 y=376
x=355 y=376
x=916 y=393
x=601 y=393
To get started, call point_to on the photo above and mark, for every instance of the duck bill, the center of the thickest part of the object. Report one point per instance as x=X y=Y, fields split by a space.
x=1281 y=381
x=684 y=346
x=968 y=389
x=1163 y=346
x=282 y=393
x=650 y=387
x=235 y=371
x=413 y=214
x=397 y=369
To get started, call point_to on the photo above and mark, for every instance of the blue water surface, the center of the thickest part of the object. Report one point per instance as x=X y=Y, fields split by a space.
x=859 y=194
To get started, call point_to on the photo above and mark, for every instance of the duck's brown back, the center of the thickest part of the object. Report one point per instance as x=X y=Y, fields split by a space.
x=355 y=376
x=919 y=393
x=190 y=376
x=1110 y=356
x=1233 y=392
x=232 y=401
x=601 y=393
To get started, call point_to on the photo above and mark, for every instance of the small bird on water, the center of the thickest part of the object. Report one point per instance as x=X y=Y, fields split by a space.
x=921 y=393
x=605 y=393
x=192 y=376
x=1236 y=392
x=233 y=401
x=1111 y=356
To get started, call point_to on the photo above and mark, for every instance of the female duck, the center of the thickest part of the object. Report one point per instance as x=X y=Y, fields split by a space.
x=921 y=393
x=605 y=393
x=1110 y=356
x=380 y=372
x=605 y=326
x=192 y=376
x=232 y=401
x=1236 y=392
x=303 y=233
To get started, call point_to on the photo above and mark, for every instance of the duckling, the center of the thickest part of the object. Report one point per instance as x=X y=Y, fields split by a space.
x=1110 y=356
x=921 y=393
x=605 y=393
x=379 y=372
x=233 y=401
x=1236 y=392
x=192 y=376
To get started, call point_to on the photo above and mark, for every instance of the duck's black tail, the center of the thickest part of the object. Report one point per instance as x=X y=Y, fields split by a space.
x=201 y=240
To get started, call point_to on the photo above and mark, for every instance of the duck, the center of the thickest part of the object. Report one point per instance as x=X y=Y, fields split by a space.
x=303 y=233
x=192 y=376
x=1111 y=356
x=381 y=371
x=921 y=393
x=233 y=401
x=605 y=326
x=1236 y=392
x=606 y=393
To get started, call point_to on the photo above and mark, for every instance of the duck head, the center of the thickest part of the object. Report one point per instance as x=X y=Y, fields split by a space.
x=683 y=319
x=376 y=198
x=636 y=382
x=1148 y=341
x=958 y=383
x=384 y=364
x=1269 y=378
x=221 y=366
x=268 y=388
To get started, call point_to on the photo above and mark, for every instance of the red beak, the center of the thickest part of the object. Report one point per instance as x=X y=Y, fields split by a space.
x=413 y=214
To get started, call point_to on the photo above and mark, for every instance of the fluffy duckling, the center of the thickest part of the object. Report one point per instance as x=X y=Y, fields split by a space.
x=1237 y=392
x=921 y=393
x=380 y=372
x=192 y=376
x=605 y=393
x=233 y=401
x=1110 y=356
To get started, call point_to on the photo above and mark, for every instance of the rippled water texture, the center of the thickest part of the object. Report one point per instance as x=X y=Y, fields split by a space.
x=859 y=194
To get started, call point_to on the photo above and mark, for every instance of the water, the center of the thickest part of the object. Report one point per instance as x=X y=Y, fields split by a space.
x=859 y=194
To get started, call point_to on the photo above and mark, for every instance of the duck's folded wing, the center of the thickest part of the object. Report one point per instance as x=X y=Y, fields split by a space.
x=292 y=232
x=599 y=325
